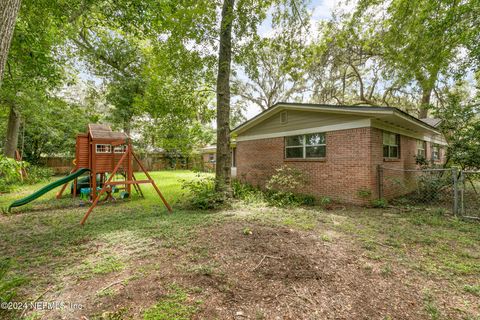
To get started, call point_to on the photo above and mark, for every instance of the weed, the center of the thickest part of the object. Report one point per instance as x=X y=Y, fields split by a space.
x=173 y=306
x=387 y=270
x=430 y=306
x=247 y=231
x=473 y=289
x=379 y=203
x=326 y=238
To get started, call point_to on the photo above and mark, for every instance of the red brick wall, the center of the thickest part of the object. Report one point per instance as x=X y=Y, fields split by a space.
x=350 y=165
x=345 y=170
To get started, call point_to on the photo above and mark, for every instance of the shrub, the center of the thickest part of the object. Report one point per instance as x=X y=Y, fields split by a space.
x=281 y=198
x=251 y=194
x=247 y=192
x=430 y=186
x=379 y=203
x=202 y=193
x=364 y=193
x=10 y=169
x=286 y=179
x=38 y=174
x=326 y=202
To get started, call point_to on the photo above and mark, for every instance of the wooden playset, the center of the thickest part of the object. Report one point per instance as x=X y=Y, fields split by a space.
x=108 y=157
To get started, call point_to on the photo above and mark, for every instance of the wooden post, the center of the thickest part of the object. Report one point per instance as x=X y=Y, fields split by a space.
x=137 y=187
x=85 y=217
x=129 y=167
x=153 y=183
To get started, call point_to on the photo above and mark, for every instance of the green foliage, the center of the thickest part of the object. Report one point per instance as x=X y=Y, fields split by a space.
x=10 y=169
x=172 y=307
x=461 y=127
x=250 y=194
x=37 y=174
x=247 y=231
x=10 y=173
x=379 y=203
x=473 y=289
x=202 y=194
x=364 y=193
x=286 y=179
x=8 y=284
x=430 y=186
x=325 y=202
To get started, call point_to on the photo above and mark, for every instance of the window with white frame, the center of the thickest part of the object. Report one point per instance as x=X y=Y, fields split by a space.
x=391 y=145
x=305 y=146
x=120 y=149
x=421 y=149
x=103 y=148
x=436 y=152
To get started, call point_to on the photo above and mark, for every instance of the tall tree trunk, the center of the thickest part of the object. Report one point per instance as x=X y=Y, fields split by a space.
x=13 y=129
x=8 y=16
x=223 y=165
x=425 y=102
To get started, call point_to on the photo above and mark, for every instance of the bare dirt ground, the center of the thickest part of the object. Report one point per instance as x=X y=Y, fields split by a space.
x=246 y=270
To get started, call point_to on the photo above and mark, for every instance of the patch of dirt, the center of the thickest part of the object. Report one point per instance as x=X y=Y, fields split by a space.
x=286 y=274
x=272 y=273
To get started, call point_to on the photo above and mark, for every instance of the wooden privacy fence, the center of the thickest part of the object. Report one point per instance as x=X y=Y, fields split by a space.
x=152 y=162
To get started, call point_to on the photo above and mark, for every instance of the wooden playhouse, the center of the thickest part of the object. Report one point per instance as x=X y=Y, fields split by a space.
x=108 y=157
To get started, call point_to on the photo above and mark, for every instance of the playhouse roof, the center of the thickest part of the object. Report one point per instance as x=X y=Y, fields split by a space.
x=103 y=131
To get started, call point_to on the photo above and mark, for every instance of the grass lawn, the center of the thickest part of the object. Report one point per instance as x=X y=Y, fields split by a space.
x=134 y=260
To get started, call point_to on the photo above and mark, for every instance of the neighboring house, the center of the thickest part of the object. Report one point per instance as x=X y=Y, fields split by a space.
x=338 y=147
x=209 y=157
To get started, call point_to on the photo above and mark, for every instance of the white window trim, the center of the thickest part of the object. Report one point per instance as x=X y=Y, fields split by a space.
x=108 y=147
x=397 y=141
x=123 y=149
x=437 y=158
x=304 y=146
x=424 y=148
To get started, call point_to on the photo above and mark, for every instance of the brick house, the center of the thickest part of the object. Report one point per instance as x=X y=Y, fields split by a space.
x=339 y=148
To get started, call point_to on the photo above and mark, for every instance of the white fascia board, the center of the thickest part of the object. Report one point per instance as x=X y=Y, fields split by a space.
x=362 y=123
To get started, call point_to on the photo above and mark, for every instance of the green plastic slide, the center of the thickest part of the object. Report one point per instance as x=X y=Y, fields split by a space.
x=47 y=188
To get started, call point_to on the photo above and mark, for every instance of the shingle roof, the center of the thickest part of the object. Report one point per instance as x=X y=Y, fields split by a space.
x=103 y=131
x=432 y=121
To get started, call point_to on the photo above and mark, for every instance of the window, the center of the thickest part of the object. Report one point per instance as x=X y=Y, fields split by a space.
x=391 y=145
x=283 y=117
x=436 y=152
x=421 y=149
x=120 y=149
x=305 y=146
x=103 y=148
x=211 y=158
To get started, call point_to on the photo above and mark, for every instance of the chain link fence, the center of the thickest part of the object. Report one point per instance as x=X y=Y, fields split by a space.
x=469 y=197
x=444 y=189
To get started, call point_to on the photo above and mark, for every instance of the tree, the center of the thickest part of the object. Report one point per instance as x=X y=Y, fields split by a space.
x=461 y=127
x=239 y=21
x=223 y=165
x=275 y=66
x=33 y=65
x=421 y=39
x=8 y=16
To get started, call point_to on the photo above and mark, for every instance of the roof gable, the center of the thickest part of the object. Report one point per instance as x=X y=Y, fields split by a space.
x=103 y=131
x=388 y=113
